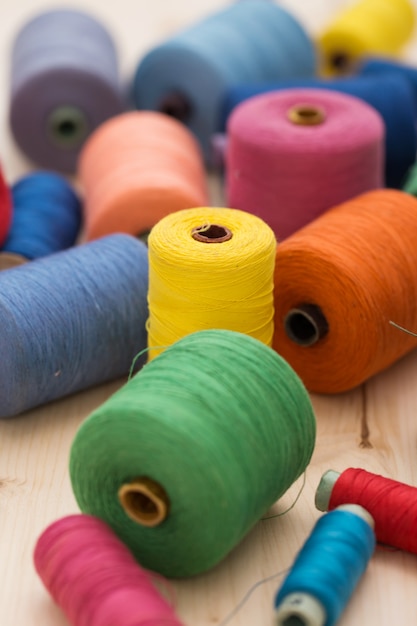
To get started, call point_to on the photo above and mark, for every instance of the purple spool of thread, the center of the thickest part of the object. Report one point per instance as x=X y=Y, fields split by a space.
x=64 y=84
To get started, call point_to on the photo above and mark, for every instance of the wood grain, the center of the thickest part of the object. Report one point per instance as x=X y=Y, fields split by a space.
x=374 y=427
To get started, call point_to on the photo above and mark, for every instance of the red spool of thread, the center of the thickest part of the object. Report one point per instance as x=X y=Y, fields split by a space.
x=94 y=578
x=293 y=154
x=5 y=209
x=392 y=504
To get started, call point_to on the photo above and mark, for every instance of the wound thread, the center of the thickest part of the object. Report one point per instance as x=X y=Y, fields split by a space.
x=94 y=578
x=187 y=422
x=188 y=75
x=337 y=264
x=63 y=86
x=369 y=27
x=392 y=504
x=290 y=171
x=71 y=320
x=327 y=569
x=136 y=169
x=210 y=268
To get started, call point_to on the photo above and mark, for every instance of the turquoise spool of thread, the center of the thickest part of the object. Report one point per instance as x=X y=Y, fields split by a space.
x=184 y=459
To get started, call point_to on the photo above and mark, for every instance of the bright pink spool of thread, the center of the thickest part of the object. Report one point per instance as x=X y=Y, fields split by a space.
x=5 y=209
x=94 y=578
x=392 y=504
x=294 y=154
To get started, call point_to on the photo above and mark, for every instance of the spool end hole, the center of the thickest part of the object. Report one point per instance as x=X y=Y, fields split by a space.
x=306 y=115
x=306 y=325
x=176 y=105
x=340 y=61
x=294 y=620
x=144 y=501
x=211 y=233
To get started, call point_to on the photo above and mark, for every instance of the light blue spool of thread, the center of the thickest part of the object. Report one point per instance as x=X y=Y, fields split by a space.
x=71 y=320
x=46 y=216
x=389 y=93
x=64 y=84
x=187 y=77
x=327 y=569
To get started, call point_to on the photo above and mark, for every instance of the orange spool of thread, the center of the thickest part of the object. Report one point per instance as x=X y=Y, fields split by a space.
x=137 y=168
x=339 y=282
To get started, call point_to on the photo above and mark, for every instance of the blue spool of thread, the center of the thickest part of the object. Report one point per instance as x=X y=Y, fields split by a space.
x=71 y=320
x=376 y=66
x=391 y=95
x=46 y=216
x=327 y=569
x=187 y=76
x=64 y=84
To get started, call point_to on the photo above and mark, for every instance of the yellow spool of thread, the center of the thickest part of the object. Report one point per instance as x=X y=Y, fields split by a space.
x=370 y=27
x=210 y=268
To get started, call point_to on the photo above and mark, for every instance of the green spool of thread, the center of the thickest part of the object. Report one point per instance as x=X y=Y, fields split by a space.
x=410 y=185
x=185 y=458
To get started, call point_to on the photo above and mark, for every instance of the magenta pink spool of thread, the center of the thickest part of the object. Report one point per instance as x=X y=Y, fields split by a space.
x=94 y=578
x=294 y=154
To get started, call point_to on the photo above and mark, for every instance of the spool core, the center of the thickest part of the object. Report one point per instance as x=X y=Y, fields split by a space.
x=300 y=609
x=10 y=259
x=340 y=61
x=306 y=324
x=306 y=115
x=144 y=501
x=211 y=233
x=176 y=105
x=67 y=126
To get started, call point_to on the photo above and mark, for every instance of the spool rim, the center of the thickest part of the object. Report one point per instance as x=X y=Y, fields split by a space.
x=306 y=114
x=306 y=324
x=211 y=233
x=67 y=126
x=145 y=501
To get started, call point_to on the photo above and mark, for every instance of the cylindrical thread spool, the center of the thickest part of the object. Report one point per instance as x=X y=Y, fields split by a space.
x=64 y=84
x=392 y=504
x=380 y=67
x=410 y=183
x=390 y=93
x=5 y=209
x=188 y=75
x=222 y=452
x=317 y=589
x=210 y=268
x=137 y=168
x=365 y=28
x=356 y=266
x=46 y=216
x=288 y=172
x=71 y=320
x=94 y=578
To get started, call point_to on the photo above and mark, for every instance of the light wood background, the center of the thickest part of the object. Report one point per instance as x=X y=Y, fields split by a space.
x=374 y=427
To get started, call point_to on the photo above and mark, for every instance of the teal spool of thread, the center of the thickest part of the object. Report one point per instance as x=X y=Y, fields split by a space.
x=185 y=458
x=410 y=185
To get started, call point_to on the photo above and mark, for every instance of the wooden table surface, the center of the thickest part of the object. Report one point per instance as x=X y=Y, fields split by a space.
x=374 y=426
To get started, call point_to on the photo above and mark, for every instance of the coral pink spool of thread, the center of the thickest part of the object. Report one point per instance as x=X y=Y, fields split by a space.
x=137 y=168
x=94 y=578
x=294 y=154
x=5 y=209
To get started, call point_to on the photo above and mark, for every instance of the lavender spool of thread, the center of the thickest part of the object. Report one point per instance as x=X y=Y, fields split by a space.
x=294 y=154
x=71 y=320
x=64 y=84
